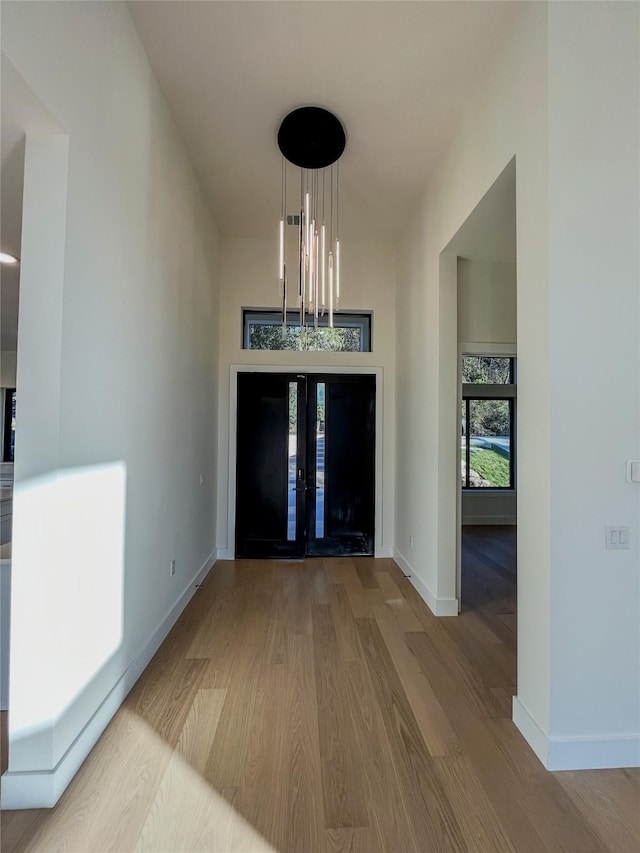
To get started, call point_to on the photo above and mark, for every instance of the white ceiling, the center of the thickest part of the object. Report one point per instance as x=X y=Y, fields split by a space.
x=396 y=73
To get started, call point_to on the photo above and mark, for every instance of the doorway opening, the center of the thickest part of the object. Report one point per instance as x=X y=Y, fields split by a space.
x=305 y=465
x=481 y=280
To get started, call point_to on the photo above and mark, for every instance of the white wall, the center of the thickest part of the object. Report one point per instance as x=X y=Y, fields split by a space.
x=562 y=98
x=486 y=317
x=248 y=269
x=594 y=280
x=486 y=302
x=117 y=371
x=7 y=369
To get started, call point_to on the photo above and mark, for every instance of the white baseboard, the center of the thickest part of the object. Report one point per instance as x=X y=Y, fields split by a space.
x=43 y=788
x=438 y=606
x=596 y=752
x=385 y=551
x=225 y=554
x=530 y=730
x=400 y=560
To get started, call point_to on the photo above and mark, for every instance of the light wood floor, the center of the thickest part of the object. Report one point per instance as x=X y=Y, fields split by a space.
x=319 y=706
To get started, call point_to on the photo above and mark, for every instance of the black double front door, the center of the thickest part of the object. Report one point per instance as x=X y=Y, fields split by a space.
x=305 y=465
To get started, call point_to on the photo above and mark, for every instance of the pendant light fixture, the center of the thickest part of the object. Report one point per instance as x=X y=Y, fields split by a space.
x=313 y=140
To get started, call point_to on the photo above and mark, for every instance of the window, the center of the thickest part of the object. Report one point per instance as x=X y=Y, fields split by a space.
x=263 y=330
x=487 y=370
x=9 y=421
x=488 y=413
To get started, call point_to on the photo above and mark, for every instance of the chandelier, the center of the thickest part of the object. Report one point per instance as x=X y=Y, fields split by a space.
x=313 y=140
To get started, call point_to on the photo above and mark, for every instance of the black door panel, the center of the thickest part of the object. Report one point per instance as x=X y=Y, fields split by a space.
x=349 y=467
x=262 y=468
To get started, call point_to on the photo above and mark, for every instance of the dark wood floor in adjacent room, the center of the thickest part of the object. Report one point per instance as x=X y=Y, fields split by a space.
x=320 y=707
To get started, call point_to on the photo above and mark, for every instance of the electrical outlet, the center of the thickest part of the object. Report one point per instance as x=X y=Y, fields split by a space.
x=172 y=568
x=202 y=478
x=411 y=542
x=616 y=537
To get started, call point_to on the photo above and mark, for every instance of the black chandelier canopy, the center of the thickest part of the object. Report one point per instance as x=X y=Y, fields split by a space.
x=311 y=138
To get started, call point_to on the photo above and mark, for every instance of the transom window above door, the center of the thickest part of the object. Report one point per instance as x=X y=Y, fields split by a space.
x=264 y=330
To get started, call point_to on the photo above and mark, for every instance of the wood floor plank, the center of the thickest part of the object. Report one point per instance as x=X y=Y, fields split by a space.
x=477 y=627
x=276 y=647
x=164 y=702
x=17 y=828
x=434 y=726
x=361 y=600
x=305 y=830
x=353 y=840
x=221 y=616
x=344 y=623
x=198 y=732
x=338 y=568
x=223 y=643
x=485 y=658
x=395 y=601
x=318 y=583
x=364 y=567
x=343 y=787
x=502 y=699
x=264 y=788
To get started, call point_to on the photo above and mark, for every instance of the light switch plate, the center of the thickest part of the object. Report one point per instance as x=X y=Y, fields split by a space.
x=617 y=538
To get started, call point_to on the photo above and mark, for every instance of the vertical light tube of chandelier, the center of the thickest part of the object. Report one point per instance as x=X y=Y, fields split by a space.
x=331 y=259
x=284 y=304
x=301 y=266
x=316 y=298
x=338 y=236
x=300 y=258
x=310 y=263
x=307 y=247
x=307 y=221
x=281 y=235
x=337 y=275
x=300 y=246
x=323 y=271
x=284 y=248
x=316 y=249
x=313 y=267
x=331 y=290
